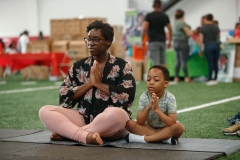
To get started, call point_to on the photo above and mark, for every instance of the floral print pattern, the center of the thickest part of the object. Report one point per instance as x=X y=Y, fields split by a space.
x=71 y=72
x=63 y=90
x=81 y=110
x=82 y=75
x=114 y=72
x=127 y=69
x=123 y=97
x=88 y=96
x=101 y=95
x=127 y=83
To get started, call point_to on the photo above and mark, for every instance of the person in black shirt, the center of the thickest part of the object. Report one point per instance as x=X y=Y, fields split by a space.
x=209 y=36
x=154 y=25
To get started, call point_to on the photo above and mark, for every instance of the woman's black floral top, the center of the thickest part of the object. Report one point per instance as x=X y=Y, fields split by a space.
x=117 y=73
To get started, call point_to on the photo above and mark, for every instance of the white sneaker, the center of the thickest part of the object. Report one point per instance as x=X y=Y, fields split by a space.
x=212 y=82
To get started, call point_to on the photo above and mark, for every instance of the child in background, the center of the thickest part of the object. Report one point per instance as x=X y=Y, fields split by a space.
x=157 y=113
x=237 y=30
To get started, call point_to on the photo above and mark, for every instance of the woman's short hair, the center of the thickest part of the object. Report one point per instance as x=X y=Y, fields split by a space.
x=105 y=28
x=179 y=14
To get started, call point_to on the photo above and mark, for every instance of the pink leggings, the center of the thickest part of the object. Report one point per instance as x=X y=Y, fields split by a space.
x=110 y=124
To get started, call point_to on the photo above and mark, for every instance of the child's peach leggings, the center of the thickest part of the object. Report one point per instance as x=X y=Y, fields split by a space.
x=110 y=124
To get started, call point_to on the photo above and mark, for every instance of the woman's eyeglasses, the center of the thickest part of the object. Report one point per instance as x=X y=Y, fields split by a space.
x=94 y=40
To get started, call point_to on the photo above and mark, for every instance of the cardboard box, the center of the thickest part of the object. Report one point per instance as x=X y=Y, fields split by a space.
x=76 y=27
x=68 y=26
x=66 y=37
x=118 y=33
x=76 y=37
x=237 y=63
x=55 y=38
x=118 y=50
x=73 y=27
x=57 y=27
x=145 y=65
x=86 y=21
x=36 y=72
x=59 y=46
x=118 y=29
x=79 y=47
x=137 y=67
x=40 y=46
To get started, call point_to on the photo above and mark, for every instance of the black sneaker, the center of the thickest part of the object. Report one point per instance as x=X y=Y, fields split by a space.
x=127 y=138
x=174 y=141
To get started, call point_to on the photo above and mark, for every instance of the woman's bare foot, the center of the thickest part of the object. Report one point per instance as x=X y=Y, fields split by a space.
x=94 y=139
x=57 y=137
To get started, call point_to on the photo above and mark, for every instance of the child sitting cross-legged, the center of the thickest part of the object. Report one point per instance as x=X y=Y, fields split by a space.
x=157 y=113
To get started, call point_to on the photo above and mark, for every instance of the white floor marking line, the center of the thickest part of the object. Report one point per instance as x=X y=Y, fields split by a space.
x=29 y=83
x=208 y=104
x=3 y=82
x=173 y=83
x=29 y=89
x=58 y=83
x=179 y=111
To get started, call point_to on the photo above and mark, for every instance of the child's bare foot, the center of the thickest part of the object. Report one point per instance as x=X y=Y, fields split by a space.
x=94 y=139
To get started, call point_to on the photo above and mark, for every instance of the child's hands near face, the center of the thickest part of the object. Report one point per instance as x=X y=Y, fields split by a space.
x=153 y=104
x=150 y=104
x=155 y=99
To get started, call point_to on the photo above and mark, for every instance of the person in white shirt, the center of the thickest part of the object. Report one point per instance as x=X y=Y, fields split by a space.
x=24 y=41
x=10 y=49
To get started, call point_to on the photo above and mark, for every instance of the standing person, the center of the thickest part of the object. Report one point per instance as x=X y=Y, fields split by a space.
x=153 y=26
x=18 y=47
x=157 y=112
x=237 y=31
x=197 y=31
x=219 y=41
x=181 y=34
x=209 y=36
x=24 y=41
x=2 y=46
x=102 y=86
x=40 y=36
x=216 y=22
x=202 y=21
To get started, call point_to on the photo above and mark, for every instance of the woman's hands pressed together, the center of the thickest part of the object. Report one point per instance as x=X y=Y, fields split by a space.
x=95 y=74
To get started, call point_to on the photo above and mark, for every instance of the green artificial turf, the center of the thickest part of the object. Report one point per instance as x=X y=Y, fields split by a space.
x=20 y=110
